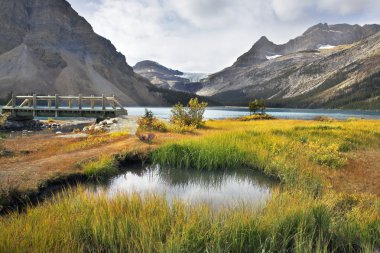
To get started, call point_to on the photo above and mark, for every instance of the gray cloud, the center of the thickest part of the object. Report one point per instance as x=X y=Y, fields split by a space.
x=208 y=35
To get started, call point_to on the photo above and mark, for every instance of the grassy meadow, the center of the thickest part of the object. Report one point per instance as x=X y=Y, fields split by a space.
x=308 y=213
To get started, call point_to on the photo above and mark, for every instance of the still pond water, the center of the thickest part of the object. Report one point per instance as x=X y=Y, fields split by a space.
x=216 y=188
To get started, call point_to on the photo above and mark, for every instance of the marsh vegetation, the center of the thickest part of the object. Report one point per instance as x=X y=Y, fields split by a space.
x=306 y=214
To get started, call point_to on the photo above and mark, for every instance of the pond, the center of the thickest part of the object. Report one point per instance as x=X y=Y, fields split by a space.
x=284 y=113
x=215 y=188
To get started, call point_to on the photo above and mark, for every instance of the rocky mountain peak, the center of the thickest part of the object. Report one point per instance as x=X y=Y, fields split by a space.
x=152 y=66
x=46 y=47
x=314 y=37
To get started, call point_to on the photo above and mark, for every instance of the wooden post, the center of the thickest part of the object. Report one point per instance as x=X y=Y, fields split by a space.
x=92 y=102
x=80 y=102
x=103 y=102
x=114 y=102
x=56 y=101
x=56 y=105
x=13 y=100
x=49 y=102
x=34 y=105
x=34 y=100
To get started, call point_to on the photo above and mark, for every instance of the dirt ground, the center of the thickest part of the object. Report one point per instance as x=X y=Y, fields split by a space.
x=360 y=175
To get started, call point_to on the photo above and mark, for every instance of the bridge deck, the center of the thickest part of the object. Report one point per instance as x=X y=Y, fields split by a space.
x=28 y=107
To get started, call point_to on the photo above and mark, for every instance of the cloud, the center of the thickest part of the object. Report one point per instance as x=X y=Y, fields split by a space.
x=207 y=36
x=290 y=10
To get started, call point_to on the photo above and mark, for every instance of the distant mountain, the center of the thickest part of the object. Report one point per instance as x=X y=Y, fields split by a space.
x=166 y=78
x=328 y=66
x=47 y=48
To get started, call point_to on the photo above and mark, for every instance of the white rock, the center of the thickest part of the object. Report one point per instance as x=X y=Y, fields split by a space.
x=58 y=132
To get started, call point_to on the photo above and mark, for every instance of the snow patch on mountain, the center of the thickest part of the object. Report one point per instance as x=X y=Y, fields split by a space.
x=193 y=77
x=326 y=47
x=271 y=57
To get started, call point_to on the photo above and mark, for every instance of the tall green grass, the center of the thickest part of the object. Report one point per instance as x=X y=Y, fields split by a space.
x=295 y=155
x=78 y=221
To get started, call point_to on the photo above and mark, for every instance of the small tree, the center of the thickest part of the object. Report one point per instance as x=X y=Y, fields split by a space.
x=262 y=105
x=191 y=115
x=253 y=106
x=257 y=104
x=150 y=123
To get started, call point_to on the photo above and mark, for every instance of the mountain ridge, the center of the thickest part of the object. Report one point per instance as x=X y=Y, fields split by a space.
x=284 y=73
x=46 y=47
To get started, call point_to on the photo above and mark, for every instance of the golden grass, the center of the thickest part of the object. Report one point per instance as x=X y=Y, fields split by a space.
x=78 y=221
x=301 y=153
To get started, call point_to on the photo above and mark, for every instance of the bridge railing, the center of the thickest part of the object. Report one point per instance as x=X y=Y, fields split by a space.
x=64 y=102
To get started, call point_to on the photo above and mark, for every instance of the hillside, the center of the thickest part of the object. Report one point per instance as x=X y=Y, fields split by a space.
x=332 y=66
x=47 y=48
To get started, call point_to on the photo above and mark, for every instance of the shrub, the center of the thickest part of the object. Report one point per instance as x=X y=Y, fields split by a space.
x=150 y=123
x=148 y=138
x=255 y=117
x=327 y=155
x=181 y=128
x=190 y=115
x=324 y=119
x=3 y=119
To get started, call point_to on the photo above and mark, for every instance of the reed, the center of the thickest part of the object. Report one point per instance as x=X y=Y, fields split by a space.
x=79 y=221
x=297 y=155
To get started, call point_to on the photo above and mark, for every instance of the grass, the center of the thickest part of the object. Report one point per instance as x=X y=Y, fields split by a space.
x=79 y=221
x=100 y=168
x=305 y=216
x=294 y=154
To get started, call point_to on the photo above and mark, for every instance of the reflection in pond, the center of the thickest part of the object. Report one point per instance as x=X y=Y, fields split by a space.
x=218 y=188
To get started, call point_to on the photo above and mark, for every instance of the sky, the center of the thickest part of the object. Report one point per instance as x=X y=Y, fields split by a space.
x=205 y=36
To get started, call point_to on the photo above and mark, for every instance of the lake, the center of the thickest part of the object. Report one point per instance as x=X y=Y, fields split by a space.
x=216 y=188
x=283 y=113
x=233 y=112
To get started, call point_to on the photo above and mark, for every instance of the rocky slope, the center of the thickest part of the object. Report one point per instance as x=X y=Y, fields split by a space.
x=167 y=78
x=305 y=72
x=47 y=48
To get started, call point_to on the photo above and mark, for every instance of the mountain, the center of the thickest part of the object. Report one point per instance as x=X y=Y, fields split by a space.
x=167 y=78
x=334 y=66
x=47 y=48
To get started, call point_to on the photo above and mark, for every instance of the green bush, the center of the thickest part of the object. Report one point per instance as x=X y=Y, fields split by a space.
x=150 y=123
x=190 y=115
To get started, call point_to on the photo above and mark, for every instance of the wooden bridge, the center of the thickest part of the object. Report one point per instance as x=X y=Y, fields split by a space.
x=28 y=107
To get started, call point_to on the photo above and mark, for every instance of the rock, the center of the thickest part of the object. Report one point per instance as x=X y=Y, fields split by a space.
x=98 y=129
x=59 y=132
x=115 y=120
